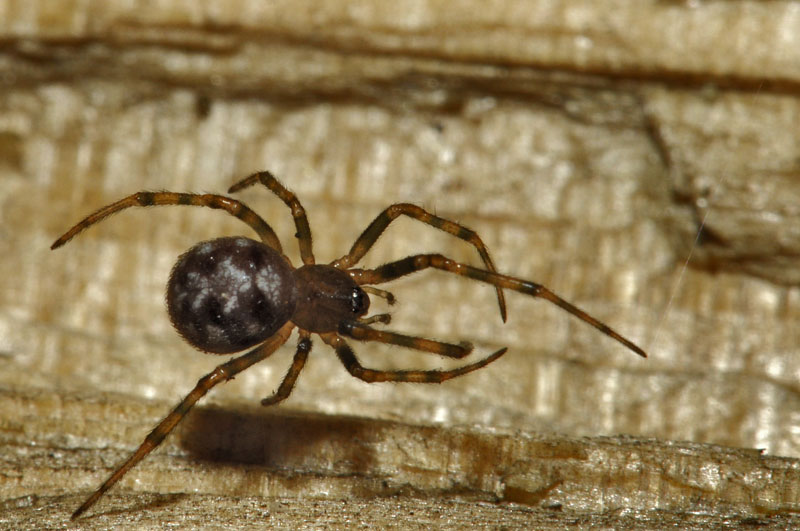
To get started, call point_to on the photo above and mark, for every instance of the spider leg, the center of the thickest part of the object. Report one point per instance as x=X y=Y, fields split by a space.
x=299 y=361
x=142 y=199
x=298 y=212
x=349 y=360
x=222 y=373
x=379 y=224
x=361 y=332
x=411 y=264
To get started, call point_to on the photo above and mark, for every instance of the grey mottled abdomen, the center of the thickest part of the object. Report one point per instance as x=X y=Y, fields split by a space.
x=228 y=294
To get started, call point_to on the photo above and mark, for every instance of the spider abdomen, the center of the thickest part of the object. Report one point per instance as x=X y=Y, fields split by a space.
x=228 y=294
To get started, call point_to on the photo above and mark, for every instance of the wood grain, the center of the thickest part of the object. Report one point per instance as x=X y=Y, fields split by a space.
x=586 y=142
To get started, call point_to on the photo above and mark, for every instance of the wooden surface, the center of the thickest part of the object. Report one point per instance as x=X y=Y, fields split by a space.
x=583 y=141
x=230 y=467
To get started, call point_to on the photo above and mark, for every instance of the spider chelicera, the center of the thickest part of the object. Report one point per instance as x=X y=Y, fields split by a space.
x=230 y=294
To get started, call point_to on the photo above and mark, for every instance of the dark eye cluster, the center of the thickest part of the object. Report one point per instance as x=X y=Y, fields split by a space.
x=359 y=301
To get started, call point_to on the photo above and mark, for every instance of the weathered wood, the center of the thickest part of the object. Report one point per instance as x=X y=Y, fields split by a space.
x=585 y=142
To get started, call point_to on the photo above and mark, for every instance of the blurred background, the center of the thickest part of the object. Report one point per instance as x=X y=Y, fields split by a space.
x=638 y=158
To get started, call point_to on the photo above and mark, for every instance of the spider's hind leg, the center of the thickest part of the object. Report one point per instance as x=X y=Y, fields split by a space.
x=144 y=199
x=221 y=374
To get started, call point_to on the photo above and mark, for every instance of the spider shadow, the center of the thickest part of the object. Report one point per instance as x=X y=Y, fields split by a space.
x=290 y=442
x=144 y=502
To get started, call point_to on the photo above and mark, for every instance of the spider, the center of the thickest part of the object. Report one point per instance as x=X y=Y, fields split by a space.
x=230 y=294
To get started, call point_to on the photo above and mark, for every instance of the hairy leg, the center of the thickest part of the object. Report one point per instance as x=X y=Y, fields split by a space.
x=412 y=264
x=349 y=360
x=379 y=224
x=362 y=332
x=298 y=212
x=299 y=361
x=143 y=199
x=222 y=373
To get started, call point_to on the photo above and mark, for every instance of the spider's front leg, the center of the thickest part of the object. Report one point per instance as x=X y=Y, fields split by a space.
x=379 y=224
x=412 y=264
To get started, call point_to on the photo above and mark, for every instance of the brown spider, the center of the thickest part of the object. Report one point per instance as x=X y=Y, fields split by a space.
x=230 y=294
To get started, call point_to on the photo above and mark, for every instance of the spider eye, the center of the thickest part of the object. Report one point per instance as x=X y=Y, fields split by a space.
x=359 y=301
